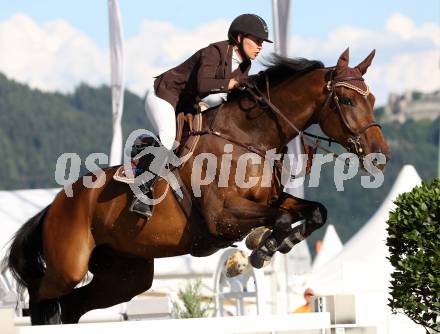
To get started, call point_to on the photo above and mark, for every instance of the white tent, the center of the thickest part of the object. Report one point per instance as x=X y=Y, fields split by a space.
x=362 y=267
x=17 y=206
x=288 y=272
x=331 y=246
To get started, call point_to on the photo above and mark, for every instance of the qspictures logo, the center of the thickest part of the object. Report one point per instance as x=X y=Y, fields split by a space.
x=207 y=168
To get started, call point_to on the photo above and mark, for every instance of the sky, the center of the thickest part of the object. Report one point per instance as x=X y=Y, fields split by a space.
x=53 y=45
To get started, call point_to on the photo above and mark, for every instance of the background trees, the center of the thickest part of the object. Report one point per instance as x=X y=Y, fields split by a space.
x=36 y=127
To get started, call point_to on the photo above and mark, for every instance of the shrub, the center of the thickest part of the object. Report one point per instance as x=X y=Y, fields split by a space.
x=191 y=302
x=414 y=245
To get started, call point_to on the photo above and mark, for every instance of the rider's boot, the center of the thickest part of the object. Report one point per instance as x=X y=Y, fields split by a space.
x=137 y=205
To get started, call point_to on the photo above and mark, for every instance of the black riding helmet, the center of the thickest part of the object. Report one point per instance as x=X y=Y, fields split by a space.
x=248 y=24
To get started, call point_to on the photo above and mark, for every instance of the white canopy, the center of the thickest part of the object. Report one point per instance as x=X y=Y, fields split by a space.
x=331 y=246
x=17 y=206
x=363 y=265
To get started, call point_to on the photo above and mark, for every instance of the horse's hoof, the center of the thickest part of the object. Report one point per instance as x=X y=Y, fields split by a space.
x=236 y=264
x=257 y=237
x=259 y=259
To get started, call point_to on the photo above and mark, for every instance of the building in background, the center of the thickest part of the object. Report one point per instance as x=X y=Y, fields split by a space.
x=413 y=105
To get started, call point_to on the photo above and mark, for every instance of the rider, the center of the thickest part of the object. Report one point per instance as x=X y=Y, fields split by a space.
x=217 y=68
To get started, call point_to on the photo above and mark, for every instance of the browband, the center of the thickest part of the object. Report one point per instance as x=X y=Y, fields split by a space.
x=357 y=89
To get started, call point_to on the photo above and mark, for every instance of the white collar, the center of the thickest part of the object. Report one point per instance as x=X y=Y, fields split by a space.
x=236 y=57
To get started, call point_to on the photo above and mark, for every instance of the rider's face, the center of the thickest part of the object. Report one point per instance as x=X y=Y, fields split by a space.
x=252 y=46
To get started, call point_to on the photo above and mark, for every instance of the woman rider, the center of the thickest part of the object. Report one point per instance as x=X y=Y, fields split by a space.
x=217 y=68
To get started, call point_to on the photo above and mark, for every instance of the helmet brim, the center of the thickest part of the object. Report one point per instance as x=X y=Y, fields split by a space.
x=262 y=38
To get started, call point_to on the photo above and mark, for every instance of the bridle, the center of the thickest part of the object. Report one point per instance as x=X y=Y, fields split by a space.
x=354 y=140
x=265 y=102
x=355 y=145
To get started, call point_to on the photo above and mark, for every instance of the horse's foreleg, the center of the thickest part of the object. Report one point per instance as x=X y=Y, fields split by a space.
x=314 y=215
x=283 y=237
x=240 y=215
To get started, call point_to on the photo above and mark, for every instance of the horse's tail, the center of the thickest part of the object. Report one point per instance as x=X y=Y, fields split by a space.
x=25 y=261
x=25 y=256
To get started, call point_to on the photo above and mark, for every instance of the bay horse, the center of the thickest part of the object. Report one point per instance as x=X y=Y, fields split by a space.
x=94 y=231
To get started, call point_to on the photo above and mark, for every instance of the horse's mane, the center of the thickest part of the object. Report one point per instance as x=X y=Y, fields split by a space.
x=279 y=68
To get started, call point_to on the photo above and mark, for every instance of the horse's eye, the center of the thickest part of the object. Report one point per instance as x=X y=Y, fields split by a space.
x=346 y=101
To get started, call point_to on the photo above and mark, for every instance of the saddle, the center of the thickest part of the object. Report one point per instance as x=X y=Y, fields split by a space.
x=187 y=125
x=186 y=143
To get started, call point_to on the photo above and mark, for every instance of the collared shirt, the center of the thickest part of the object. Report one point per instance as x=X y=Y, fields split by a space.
x=213 y=99
x=236 y=60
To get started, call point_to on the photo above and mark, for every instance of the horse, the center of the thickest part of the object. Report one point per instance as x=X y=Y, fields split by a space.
x=94 y=231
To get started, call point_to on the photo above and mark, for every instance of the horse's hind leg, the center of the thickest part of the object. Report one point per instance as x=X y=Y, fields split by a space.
x=117 y=278
x=67 y=249
x=44 y=304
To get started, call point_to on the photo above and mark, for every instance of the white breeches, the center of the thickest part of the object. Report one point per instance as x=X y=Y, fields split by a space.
x=162 y=117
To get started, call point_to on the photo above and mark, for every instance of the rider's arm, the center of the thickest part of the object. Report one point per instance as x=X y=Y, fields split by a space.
x=232 y=83
x=206 y=81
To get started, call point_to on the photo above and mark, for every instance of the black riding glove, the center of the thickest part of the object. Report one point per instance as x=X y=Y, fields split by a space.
x=246 y=82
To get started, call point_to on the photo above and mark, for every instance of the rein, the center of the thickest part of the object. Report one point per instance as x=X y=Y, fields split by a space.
x=354 y=140
x=265 y=101
x=210 y=131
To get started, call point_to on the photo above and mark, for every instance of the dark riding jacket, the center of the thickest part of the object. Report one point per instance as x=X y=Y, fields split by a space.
x=208 y=71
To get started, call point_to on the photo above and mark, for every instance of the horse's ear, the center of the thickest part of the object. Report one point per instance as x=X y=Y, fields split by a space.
x=343 y=60
x=363 y=66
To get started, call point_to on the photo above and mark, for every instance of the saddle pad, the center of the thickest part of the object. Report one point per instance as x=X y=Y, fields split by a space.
x=120 y=176
x=184 y=201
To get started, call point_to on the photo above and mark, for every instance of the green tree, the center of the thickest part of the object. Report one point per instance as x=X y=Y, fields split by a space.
x=191 y=303
x=36 y=127
x=414 y=244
